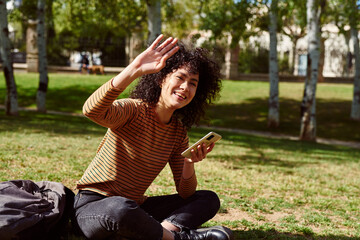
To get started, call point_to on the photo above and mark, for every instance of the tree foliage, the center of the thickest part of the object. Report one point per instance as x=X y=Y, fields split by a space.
x=92 y=25
x=293 y=23
x=225 y=16
x=98 y=21
x=83 y=25
x=180 y=17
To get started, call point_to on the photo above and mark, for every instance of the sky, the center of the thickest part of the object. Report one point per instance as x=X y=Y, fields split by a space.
x=10 y=4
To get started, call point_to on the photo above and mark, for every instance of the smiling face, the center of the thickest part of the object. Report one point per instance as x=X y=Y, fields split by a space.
x=178 y=89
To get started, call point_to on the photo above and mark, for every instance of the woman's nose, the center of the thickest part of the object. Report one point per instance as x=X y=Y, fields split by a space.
x=185 y=86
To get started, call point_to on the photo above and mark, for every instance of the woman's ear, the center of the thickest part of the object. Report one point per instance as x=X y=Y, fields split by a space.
x=160 y=83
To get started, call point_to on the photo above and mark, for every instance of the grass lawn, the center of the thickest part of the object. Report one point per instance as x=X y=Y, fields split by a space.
x=242 y=105
x=269 y=188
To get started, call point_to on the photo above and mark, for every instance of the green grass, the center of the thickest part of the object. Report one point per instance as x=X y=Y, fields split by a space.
x=242 y=105
x=269 y=188
x=66 y=92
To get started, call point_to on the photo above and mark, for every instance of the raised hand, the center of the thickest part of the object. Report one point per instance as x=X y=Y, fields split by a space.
x=153 y=59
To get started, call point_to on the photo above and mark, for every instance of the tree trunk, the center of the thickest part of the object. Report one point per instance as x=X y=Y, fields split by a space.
x=232 y=58
x=32 y=50
x=11 y=102
x=348 y=60
x=321 y=59
x=292 y=64
x=154 y=19
x=43 y=83
x=308 y=107
x=49 y=23
x=273 y=115
x=135 y=43
x=355 y=108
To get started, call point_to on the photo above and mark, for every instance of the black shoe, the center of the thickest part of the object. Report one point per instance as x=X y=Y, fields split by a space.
x=211 y=233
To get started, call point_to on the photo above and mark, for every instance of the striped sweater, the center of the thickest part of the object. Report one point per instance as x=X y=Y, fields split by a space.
x=134 y=150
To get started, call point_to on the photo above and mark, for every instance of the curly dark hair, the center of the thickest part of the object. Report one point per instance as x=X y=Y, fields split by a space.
x=196 y=60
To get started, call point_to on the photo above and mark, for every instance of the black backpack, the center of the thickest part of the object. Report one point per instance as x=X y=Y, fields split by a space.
x=30 y=210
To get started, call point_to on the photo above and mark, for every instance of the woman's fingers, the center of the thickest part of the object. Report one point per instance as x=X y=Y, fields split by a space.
x=210 y=148
x=168 y=45
x=199 y=154
x=156 y=42
x=153 y=59
x=169 y=54
x=170 y=49
x=164 y=44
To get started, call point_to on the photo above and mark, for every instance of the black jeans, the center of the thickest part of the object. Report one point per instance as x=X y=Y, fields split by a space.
x=101 y=217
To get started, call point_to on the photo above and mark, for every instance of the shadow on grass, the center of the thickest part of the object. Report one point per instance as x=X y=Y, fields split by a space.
x=69 y=99
x=79 y=125
x=265 y=151
x=72 y=99
x=333 y=117
x=275 y=235
x=36 y=122
x=66 y=99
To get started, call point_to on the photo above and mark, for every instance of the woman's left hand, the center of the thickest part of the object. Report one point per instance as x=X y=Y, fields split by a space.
x=200 y=153
x=153 y=59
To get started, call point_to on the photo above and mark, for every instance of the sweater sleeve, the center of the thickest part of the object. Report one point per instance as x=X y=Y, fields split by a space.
x=102 y=108
x=188 y=186
x=185 y=187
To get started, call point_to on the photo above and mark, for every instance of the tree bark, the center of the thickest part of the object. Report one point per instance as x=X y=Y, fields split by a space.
x=232 y=58
x=41 y=41
x=308 y=105
x=154 y=19
x=321 y=59
x=353 y=19
x=292 y=65
x=32 y=50
x=273 y=115
x=348 y=59
x=11 y=102
x=355 y=108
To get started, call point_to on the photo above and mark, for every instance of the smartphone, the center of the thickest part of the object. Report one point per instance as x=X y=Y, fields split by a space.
x=209 y=138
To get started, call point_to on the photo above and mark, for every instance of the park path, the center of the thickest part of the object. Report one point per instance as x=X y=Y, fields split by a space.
x=240 y=131
x=284 y=136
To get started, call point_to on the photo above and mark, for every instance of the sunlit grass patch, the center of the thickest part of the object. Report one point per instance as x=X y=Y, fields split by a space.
x=269 y=188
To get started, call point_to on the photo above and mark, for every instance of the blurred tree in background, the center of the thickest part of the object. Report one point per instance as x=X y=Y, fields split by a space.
x=84 y=26
x=235 y=31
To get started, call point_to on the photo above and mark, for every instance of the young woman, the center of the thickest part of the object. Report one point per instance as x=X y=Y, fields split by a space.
x=145 y=132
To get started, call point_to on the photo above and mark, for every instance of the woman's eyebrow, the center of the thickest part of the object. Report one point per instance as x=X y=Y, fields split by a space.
x=188 y=76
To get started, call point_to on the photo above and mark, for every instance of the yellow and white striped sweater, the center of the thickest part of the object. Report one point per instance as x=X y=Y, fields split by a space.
x=136 y=147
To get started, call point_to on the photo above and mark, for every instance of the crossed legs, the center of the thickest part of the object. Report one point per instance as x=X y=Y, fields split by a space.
x=100 y=217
